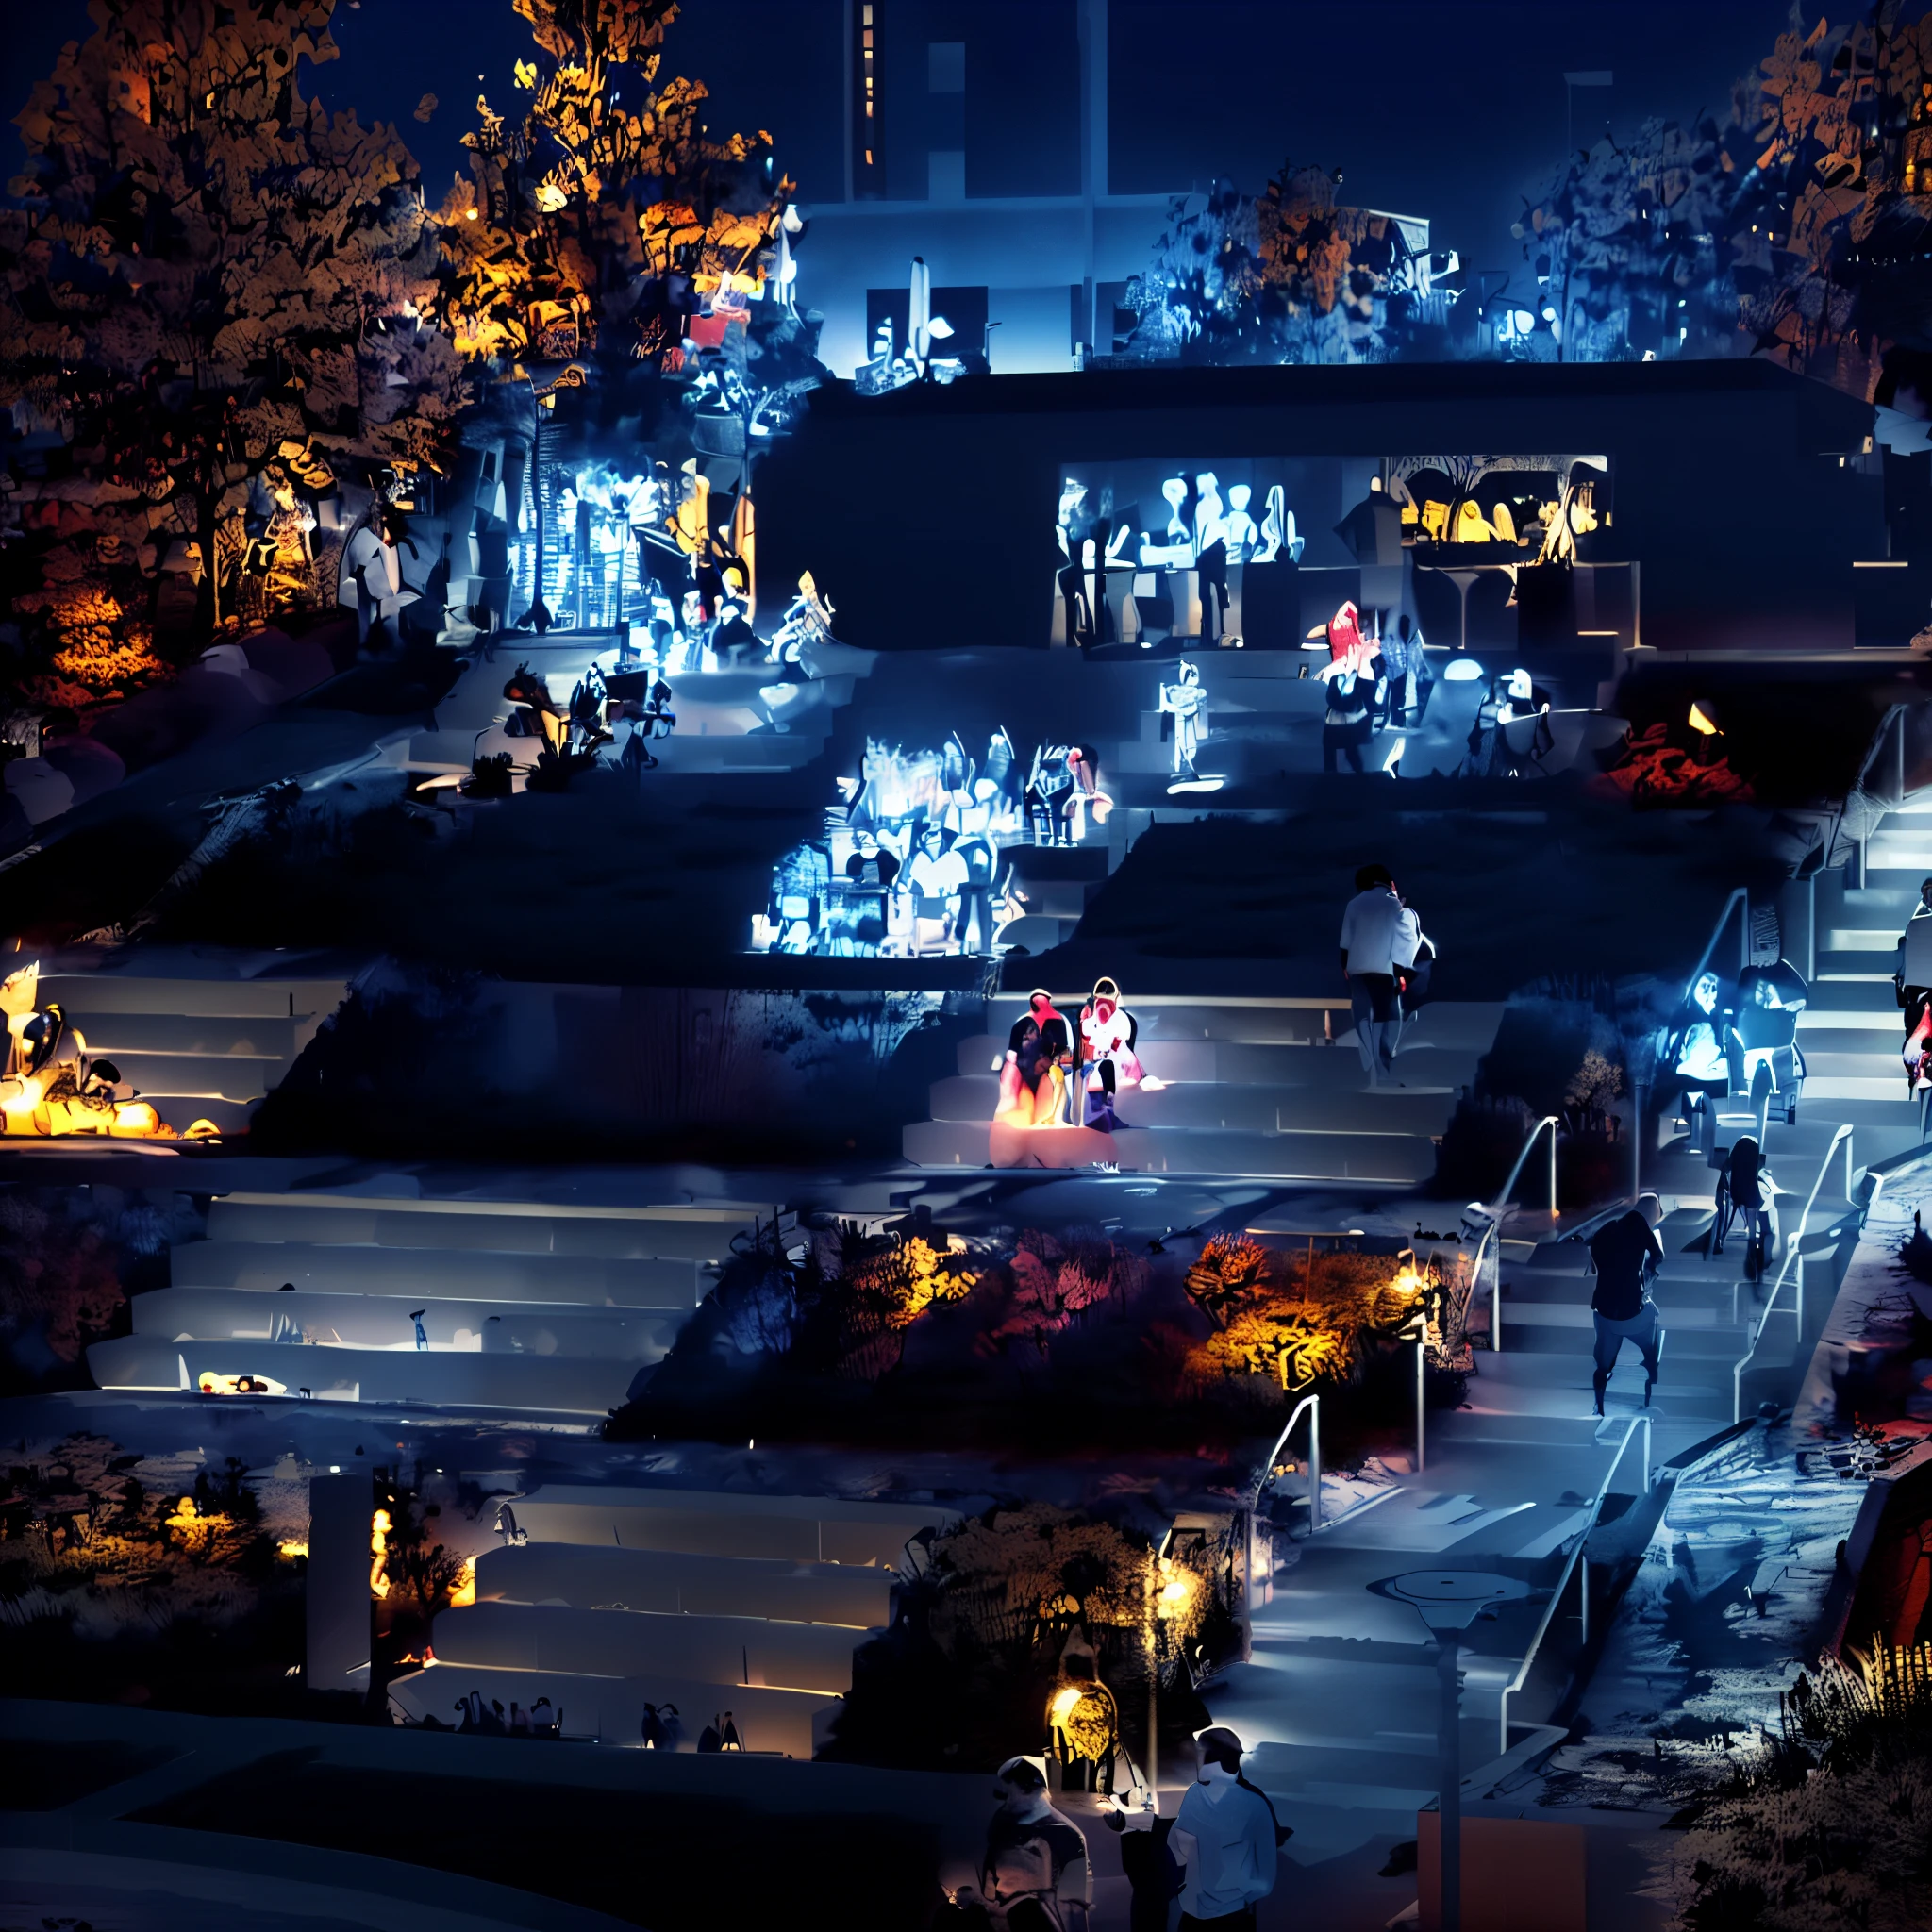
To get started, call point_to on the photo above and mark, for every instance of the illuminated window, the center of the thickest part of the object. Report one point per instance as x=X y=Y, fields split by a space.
x=868 y=168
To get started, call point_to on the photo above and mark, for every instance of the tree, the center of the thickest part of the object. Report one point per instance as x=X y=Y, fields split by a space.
x=588 y=223
x=1794 y=225
x=214 y=287
x=1292 y=276
x=59 y=1287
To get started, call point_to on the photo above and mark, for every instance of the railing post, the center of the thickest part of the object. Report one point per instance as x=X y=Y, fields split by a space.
x=1583 y=1609
x=1314 y=1464
x=1553 y=1170
x=1496 y=1294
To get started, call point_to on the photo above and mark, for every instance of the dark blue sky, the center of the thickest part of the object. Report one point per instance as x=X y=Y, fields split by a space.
x=1446 y=110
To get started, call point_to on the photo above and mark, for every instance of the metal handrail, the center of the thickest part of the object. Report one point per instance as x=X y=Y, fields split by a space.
x=1312 y=1404
x=1797 y=1236
x=1495 y=1219
x=1577 y=1557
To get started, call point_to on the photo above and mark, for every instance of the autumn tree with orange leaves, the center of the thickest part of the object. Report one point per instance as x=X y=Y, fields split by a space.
x=214 y=293
x=592 y=217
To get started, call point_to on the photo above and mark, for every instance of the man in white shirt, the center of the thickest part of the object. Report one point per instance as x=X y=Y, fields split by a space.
x=1379 y=937
x=1225 y=1839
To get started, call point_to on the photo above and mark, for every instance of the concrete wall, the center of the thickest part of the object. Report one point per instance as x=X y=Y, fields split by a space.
x=755 y=1651
x=676 y=1583
x=612 y=1709
x=807 y=1530
x=340 y=1510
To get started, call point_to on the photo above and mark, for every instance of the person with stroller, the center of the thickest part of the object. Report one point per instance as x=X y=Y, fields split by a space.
x=1745 y=1193
x=1764 y=1036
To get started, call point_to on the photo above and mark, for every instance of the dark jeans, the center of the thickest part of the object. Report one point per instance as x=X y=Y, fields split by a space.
x=1345 y=739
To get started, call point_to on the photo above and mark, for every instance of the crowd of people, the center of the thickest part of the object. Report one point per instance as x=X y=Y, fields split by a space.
x=1210 y=1864
x=916 y=858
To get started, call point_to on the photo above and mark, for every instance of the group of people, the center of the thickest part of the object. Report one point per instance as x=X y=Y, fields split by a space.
x=1742 y=1040
x=1375 y=682
x=542 y=1720
x=1215 y=1859
x=1041 y=1074
x=914 y=860
x=1387 y=961
x=1206 y=531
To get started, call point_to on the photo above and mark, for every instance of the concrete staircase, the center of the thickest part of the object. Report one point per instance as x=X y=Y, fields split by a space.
x=1336 y=1700
x=1256 y=1087
x=527 y=1305
x=199 y=1035
x=1337 y=1691
x=712 y=1602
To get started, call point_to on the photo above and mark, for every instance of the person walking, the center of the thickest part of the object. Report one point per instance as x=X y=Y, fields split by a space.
x=1379 y=938
x=1913 y=977
x=1625 y=1254
x=1226 y=1838
x=1412 y=976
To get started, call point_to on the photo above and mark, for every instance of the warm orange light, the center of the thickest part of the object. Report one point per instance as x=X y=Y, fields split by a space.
x=1701 y=720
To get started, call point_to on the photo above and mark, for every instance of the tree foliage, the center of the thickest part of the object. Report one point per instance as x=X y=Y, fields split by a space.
x=595 y=214
x=1795 y=223
x=212 y=285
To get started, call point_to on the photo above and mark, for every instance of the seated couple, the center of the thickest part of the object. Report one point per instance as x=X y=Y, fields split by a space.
x=1037 y=1072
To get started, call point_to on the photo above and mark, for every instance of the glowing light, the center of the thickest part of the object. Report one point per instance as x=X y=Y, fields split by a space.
x=1064 y=1703
x=463 y=1590
x=1462 y=671
x=379 y=1527
x=1704 y=718
x=291 y=1547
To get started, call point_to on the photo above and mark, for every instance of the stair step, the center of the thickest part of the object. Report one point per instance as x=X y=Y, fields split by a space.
x=669 y=1283
x=1372 y=1160
x=641 y=1234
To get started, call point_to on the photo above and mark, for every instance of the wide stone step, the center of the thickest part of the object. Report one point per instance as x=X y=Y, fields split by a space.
x=1464 y=1024
x=277 y=1038
x=1370 y=1159
x=382 y=1322
x=676 y=1583
x=478 y=1275
x=611 y=1710
x=242 y=1077
x=808 y=1529
x=1333 y=1069
x=566 y=1385
x=88 y=998
x=754 y=1651
x=1252 y=1109
x=516 y=1227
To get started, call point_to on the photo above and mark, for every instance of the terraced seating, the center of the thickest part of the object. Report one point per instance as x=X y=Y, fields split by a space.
x=705 y=1600
x=1269 y=1088
x=207 y=1043
x=524 y=1305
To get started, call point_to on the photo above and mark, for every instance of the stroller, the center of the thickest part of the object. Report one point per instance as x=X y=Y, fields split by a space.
x=1743 y=1191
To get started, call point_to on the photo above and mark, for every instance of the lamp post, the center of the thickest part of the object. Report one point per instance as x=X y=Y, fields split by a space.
x=1448 y=1602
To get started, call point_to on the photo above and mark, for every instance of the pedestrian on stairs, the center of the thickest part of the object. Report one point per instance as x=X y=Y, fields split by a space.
x=1379 y=939
x=1624 y=1255
x=1913 y=977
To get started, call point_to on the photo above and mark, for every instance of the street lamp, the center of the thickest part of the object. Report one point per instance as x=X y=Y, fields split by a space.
x=1448 y=1602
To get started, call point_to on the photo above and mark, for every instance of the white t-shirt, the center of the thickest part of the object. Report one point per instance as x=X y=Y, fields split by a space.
x=1378 y=932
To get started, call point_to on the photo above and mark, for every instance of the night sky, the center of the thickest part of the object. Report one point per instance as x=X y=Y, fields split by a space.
x=1449 y=111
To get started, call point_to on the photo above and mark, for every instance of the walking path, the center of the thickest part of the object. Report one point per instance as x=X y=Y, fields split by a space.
x=1332 y=1702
